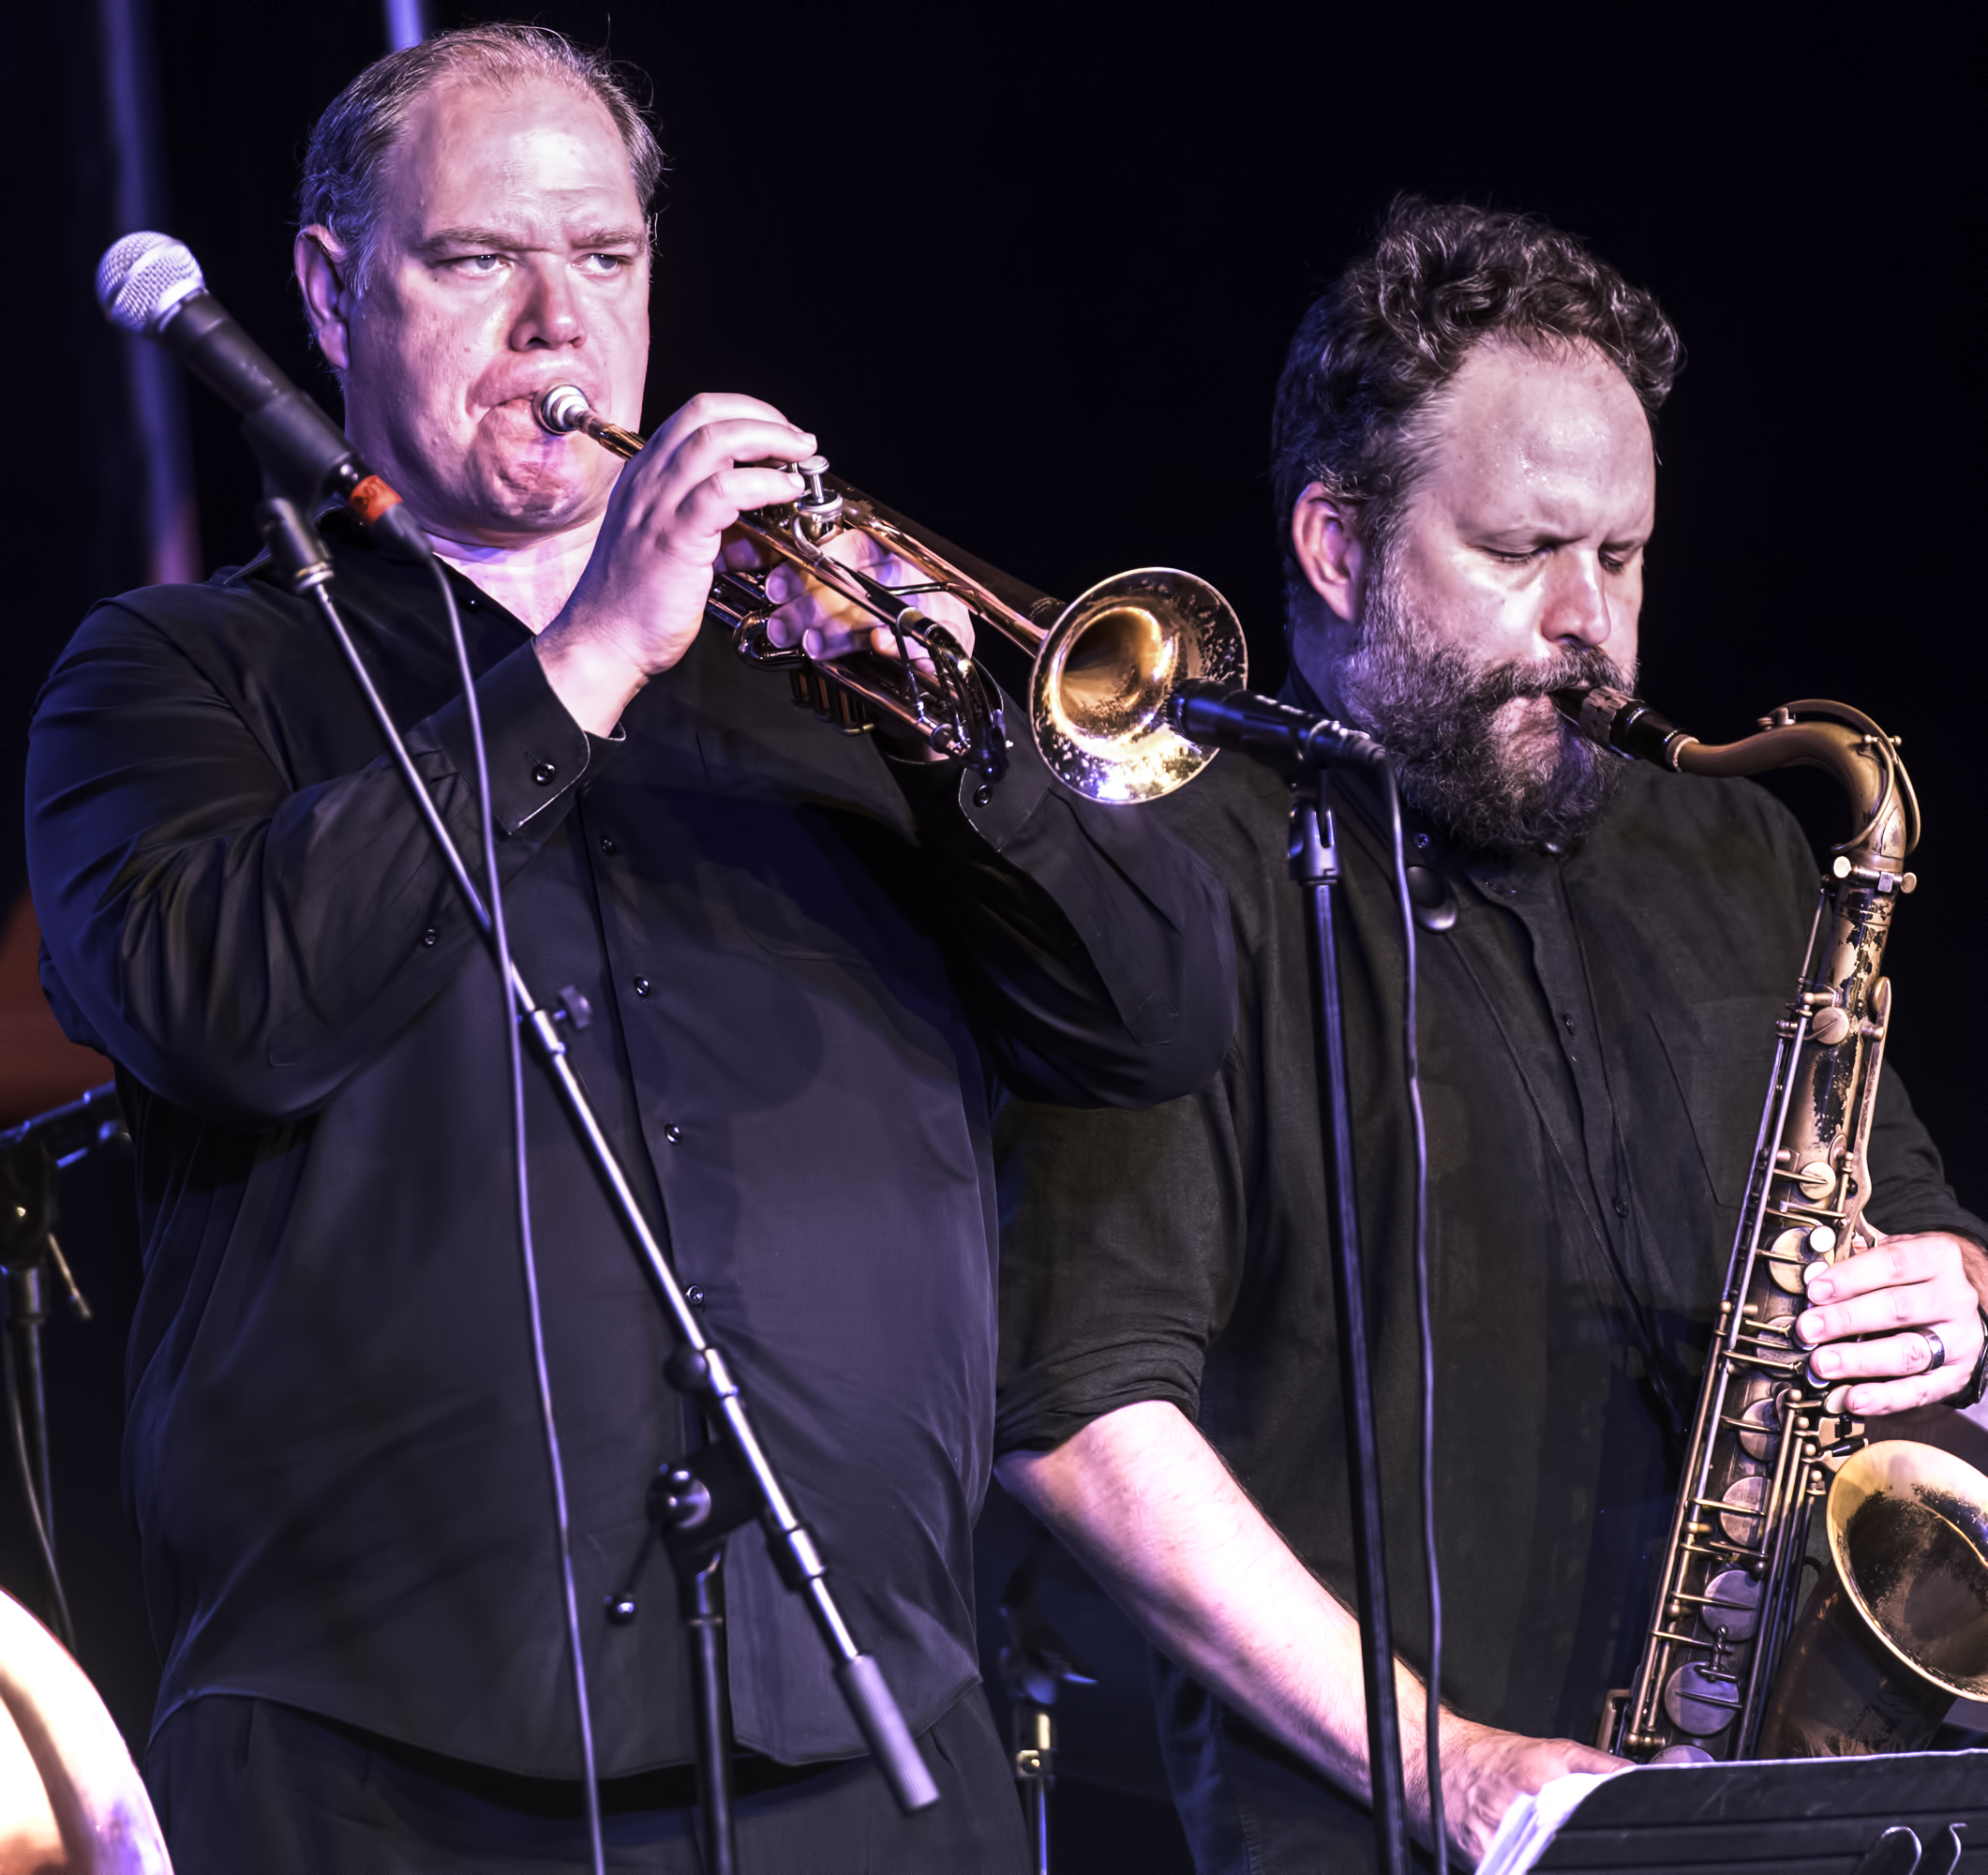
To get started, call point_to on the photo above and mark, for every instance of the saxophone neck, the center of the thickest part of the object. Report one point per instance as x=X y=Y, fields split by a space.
x=1813 y=733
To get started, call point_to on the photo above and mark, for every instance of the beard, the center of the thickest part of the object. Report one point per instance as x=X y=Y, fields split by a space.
x=1480 y=752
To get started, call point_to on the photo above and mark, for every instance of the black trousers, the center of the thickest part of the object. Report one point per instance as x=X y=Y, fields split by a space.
x=248 y=1787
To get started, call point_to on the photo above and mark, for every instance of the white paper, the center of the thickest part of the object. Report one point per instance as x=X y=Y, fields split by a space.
x=1533 y=1822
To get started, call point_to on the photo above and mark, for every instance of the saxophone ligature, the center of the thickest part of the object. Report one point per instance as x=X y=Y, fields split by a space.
x=1103 y=669
x=1734 y=1664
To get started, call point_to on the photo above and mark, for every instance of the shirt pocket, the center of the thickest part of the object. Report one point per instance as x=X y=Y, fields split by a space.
x=1721 y=1054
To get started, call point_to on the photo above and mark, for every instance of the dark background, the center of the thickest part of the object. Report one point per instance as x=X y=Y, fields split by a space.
x=1029 y=273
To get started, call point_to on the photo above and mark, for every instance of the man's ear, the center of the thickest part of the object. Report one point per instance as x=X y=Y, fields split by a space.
x=323 y=269
x=1326 y=548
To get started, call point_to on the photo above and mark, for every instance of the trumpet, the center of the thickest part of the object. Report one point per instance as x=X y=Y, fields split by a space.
x=1103 y=670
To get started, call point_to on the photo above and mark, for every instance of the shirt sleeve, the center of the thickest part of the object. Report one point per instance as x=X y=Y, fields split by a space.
x=1122 y=1247
x=1093 y=949
x=1909 y=1191
x=239 y=942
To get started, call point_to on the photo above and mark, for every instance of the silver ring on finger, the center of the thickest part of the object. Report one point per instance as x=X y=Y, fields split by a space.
x=1936 y=1350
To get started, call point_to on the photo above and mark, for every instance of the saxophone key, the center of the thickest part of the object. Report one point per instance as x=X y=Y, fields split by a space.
x=1731 y=1607
x=1739 y=1511
x=1700 y=1702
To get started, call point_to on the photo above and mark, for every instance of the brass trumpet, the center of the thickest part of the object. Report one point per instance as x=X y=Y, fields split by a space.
x=1102 y=668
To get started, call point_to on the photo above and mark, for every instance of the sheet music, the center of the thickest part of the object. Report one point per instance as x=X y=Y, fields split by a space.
x=1533 y=1822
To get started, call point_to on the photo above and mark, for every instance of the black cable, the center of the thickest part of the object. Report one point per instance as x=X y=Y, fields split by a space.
x=64 y=1627
x=514 y=1015
x=1433 y=1712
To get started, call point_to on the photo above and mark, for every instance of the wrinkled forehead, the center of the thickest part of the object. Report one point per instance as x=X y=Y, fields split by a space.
x=1549 y=418
x=480 y=151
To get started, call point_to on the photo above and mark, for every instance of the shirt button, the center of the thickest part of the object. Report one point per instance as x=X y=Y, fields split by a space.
x=641 y=986
x=607 y=844
x=674 y=1134
x=1622 y=1211
x=429 y=935
x=544 y=773
x=695 y=1294
x=1569 y=1021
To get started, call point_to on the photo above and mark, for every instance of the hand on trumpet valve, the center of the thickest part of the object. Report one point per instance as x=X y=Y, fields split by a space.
x=640 y=601
x=828 y=624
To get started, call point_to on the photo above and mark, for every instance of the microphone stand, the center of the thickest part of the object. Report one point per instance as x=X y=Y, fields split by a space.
x=1206 y=713
x=31 y=1154
x=695 y=1502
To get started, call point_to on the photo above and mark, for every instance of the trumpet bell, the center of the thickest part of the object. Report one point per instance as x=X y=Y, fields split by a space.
x=1104 y=674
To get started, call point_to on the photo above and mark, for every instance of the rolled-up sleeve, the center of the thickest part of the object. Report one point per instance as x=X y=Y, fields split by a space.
x=1122 y=1246
x=1092 y=948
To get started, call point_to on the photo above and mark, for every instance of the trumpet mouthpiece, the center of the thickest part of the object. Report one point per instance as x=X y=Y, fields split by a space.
x=561 y=409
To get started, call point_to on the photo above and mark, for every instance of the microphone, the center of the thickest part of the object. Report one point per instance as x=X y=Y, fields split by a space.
x=1214 y=717
x=151 y=284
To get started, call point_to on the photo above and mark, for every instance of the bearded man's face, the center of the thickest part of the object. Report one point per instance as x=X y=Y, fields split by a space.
x=1514 y=567
x=1479 y=750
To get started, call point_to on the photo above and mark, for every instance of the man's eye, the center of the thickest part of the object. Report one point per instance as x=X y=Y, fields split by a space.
x=480 y=265
x=605 y=265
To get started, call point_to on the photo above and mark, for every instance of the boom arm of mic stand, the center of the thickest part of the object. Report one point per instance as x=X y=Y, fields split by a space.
x=799 y=1561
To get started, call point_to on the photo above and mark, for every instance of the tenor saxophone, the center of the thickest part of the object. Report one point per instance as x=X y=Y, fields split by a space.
x=1734 y=1664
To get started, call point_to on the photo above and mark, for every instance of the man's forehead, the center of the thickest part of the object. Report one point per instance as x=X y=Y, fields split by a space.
x=1524 y=425
x=533 y=158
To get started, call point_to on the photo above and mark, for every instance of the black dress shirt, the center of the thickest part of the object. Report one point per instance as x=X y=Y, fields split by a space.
x=1596 y=1036
x=807 y=967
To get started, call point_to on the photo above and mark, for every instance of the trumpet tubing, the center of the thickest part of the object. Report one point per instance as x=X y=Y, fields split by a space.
x=1102 y=668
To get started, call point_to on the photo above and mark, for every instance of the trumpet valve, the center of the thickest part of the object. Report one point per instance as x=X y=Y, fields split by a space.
x=818 y=509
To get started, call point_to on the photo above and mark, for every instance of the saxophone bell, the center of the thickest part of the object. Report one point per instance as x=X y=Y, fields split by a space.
x=1898 y=1628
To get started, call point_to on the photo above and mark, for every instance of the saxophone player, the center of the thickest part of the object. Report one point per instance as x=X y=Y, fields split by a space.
x=1465 y=472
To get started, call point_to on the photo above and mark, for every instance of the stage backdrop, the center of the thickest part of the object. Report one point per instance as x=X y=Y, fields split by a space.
x=1029 y=272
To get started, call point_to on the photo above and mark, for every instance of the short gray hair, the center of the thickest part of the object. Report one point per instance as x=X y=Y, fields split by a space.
x=357 y=133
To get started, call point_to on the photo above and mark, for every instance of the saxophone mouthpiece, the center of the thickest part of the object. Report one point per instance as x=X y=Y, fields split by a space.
x=1624 y=725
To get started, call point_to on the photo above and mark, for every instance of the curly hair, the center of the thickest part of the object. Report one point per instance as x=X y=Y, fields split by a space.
x=345 y=163
x=1376 y=349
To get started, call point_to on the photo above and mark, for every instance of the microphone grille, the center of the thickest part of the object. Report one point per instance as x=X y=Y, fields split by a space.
x=142 y=277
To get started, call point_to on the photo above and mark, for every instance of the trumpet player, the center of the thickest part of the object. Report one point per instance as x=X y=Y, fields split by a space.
x=1466 y=477
x=807 y=960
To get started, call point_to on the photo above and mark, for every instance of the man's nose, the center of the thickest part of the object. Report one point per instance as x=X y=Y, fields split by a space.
x=547 y=315
x=1576 y=608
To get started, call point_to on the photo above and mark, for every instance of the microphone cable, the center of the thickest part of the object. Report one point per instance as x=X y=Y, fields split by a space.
x=1432 y=1711
x=44 y=1543
x=515 y=1014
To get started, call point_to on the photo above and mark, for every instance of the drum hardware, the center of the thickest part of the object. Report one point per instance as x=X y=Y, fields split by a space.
x=30 y=1262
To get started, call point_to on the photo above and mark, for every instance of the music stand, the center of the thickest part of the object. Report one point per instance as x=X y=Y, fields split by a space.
x=1806 y=1816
